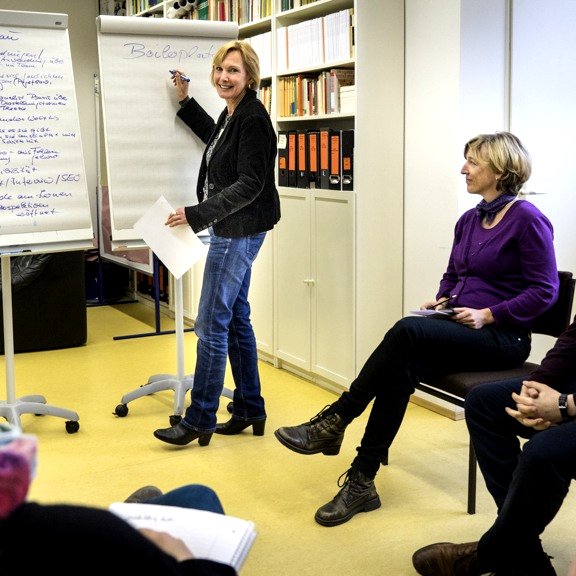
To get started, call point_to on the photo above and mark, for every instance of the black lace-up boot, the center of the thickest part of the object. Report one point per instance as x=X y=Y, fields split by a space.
x=324 y=433
x=358 y=494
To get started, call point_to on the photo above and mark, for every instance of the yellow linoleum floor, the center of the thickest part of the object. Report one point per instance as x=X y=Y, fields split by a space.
x=423 y=490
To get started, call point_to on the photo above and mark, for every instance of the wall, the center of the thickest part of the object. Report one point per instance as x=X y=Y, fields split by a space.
x=82 y=34
x=455 y=88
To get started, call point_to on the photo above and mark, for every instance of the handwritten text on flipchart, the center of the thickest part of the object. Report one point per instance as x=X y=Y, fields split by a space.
x=39 y=164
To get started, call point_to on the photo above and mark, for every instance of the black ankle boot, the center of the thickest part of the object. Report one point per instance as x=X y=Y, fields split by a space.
x=358 y=494
x=180 y=435
x=235 y=426
x=324 y=433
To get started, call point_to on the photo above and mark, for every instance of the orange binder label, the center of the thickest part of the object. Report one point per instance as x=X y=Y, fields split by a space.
x=335 y=155
x=324 y=160
x=301 y=152
x=313 y=141
x=282 y=163
x=347 y=163
x=291 y=151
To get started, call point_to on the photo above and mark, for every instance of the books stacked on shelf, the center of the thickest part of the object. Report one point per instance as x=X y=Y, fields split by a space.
x=291 y=4
x=317 y=41
x=240 y=11
x=262 y=44
x=348 y=99
x=322 y=158
x=339 y=77
x=138 y=6
x=265 y=95
x=313 y=94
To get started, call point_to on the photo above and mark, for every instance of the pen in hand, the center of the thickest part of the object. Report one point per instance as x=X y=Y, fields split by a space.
x=441 y=302
x=185 y=78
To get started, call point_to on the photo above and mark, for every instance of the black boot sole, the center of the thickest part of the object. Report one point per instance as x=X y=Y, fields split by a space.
x=373 y=504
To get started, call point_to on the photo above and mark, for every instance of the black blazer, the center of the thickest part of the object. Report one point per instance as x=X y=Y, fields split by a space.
x=242 y=196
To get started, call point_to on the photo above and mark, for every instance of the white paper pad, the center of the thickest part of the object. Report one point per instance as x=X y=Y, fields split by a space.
x=177 y=248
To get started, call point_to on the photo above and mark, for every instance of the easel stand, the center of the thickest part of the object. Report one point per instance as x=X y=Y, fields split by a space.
x=158 y=329
x=13 y=407
x=179 y=383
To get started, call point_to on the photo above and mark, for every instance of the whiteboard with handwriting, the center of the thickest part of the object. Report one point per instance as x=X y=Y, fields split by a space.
x=150 y=152
x=44 y=202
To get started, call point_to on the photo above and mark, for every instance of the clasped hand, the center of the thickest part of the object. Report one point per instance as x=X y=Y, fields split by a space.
x=536 y=405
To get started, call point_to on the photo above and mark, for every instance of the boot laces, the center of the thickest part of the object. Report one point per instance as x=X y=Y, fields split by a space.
x=322 y=414
x=347 y=478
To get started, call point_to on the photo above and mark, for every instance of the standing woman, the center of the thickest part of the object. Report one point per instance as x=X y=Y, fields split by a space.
x=238 y=204
x=501 y=274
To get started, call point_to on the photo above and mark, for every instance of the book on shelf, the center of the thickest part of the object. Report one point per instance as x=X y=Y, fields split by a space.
x=339 y=77
x=347 y=99
x=208 y=535
x=201 y=12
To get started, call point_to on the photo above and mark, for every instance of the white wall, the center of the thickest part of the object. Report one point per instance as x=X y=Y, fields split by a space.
x=456 y=88
x=432 y=144
x=82 y=33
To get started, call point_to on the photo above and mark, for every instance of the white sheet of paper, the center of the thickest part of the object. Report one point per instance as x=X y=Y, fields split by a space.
x=177 y=248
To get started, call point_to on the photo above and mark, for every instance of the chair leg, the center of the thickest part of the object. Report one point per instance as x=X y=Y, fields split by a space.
x=472 y=473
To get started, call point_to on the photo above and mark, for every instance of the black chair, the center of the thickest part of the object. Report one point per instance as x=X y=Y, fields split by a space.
x=453 y=388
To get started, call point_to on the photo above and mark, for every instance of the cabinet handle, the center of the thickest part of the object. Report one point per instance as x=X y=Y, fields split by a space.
x=309 y=281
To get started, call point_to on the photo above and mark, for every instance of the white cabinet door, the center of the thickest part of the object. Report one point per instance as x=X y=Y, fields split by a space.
x=293 y=280
x=333 y=298
x=315 y=283
x=261 y=297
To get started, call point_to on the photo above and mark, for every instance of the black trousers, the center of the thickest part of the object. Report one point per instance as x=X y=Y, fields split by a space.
x=528 y=480
x=414 y=349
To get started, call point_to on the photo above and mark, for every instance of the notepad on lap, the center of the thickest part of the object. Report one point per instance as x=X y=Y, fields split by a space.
x=442 y=313
x=208 y=535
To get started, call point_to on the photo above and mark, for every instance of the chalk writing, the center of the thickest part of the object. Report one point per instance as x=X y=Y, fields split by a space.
x=42 y=182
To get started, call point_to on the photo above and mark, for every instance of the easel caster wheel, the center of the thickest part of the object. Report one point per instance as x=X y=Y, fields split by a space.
x=230 y=407
x=72 y=426
x=174 y=419
x=121 y=410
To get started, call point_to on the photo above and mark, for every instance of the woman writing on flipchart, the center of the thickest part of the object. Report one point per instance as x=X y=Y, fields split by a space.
x=238 y=203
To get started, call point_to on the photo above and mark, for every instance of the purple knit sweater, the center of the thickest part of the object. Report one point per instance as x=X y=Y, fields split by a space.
x=510 y=268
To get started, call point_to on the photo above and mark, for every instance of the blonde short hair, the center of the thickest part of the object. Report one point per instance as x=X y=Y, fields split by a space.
x=506 y=157
x=249 y=57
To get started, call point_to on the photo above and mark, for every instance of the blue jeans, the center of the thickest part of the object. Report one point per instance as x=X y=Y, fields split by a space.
x=191 y=496
x=416 y=349
x=224 y=332
x=528 y=483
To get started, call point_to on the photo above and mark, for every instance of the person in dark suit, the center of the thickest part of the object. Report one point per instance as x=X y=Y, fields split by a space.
x=238 y=203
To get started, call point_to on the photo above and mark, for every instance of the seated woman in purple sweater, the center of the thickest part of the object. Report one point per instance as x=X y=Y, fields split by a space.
x=501 y=275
